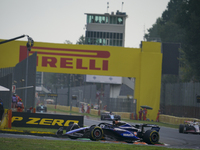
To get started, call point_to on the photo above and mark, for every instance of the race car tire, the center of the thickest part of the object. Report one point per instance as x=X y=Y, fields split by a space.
x=37 y=108
x=60 y=131
x=96 y=133
x=151 y=137
x=181 y=128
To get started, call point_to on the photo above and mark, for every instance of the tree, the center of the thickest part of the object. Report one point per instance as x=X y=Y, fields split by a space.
x=68 y=42
x=188 y=19
x=166 y=29
x=180 y=23
x=81 y=40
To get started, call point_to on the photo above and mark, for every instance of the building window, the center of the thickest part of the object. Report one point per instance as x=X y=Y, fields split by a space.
x=106 y=19
x=97 y=19
x=101 y=35
x=118 y=35
x=111 y=42
x=90 y=19
x=111 y=36
x=103 y=38
x=114 y=36
x=104 y=34
x=120 y=42
x=91 y=34
x=102 y=19
x=121 y=36
x=111 y=20
x=104 y=41
x=100 y=42
x=107 y=33
x=116 y=20
x=119 y=20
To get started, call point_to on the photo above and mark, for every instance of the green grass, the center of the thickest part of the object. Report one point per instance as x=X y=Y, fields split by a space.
x=35 y=129
x=32 y=144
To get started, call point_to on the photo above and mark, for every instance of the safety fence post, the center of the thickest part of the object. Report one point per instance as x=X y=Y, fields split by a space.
x=9 y=118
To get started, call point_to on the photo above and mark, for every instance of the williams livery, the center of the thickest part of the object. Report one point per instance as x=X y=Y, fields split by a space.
x=117 y=131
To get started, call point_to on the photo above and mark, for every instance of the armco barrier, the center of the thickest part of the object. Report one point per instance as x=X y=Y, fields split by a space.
x=124 y=115
x=61 y=107
x=94 y=112
x=175 y=120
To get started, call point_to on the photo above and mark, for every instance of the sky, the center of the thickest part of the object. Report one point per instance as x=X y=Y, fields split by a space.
x=54 y=21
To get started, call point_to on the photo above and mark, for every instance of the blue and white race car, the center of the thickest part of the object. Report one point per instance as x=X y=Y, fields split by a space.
x=117 y=131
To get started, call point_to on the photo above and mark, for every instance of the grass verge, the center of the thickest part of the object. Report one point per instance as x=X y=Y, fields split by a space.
x=32 y=144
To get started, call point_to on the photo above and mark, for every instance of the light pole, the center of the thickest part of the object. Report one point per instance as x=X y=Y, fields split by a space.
x=69 y=85
x=29 y=44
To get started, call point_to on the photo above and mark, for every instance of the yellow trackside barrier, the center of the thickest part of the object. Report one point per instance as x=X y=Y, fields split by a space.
x=4 y=121
x=124 y=115
x=66 y=108
x=94 y=112
x=75 y=109
x=175 y=120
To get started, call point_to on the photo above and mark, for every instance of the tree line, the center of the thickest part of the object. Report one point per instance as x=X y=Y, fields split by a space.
x=180 y=23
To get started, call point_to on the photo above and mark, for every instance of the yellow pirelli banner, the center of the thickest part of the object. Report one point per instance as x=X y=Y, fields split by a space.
x=144 y=64
x=73 y=59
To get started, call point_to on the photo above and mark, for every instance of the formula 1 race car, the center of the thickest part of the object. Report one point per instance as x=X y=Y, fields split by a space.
x=110 y=116
x=121 y=131
x=41 y=108
x=189 y=127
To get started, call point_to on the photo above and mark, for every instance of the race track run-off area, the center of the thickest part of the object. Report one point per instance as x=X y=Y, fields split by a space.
x=169 y=137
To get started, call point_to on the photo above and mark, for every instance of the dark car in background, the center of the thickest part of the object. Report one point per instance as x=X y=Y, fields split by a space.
x=41 y=108
x=109 y=115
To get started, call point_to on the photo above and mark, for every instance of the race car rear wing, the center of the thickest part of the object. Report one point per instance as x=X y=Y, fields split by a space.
x=153 y=126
